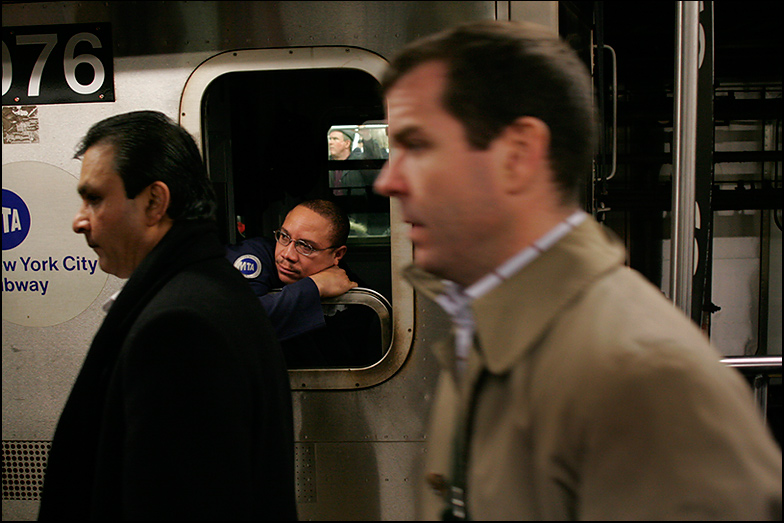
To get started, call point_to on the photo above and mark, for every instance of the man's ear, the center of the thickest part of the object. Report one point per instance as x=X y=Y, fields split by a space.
x=339 y=253
x=525 y=153
x=158 y=200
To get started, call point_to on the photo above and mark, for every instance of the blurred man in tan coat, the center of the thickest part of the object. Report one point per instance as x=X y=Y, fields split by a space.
x=571 y=389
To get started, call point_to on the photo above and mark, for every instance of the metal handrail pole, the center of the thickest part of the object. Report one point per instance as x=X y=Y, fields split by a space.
x=684 y=154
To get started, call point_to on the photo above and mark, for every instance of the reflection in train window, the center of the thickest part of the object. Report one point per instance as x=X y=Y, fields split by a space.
x=351 y=182
x=264 y=145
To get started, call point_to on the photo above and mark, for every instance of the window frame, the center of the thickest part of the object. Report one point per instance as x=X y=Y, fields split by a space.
x=401 y=251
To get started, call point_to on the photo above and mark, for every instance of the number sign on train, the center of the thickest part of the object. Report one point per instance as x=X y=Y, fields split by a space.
x=56 y=64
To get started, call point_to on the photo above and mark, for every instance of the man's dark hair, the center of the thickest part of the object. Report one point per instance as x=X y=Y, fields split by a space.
x=500 y=71
x=150 y=147
x=335 y=214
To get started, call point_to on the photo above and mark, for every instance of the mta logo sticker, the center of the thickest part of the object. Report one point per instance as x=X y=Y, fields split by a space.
x=16 y=220
x=249 y=265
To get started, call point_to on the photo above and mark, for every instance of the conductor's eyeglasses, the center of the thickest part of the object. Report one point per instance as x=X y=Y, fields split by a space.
x=301 y=246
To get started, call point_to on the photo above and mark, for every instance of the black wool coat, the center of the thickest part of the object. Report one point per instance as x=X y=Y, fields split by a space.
x=182 y=409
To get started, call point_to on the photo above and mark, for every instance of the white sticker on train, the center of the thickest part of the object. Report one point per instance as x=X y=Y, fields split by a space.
x=50 y=275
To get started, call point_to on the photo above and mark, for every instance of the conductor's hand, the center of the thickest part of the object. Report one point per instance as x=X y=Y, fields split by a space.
x=332 y=281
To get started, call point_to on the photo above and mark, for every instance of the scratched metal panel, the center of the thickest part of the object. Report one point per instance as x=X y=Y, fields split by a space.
x=141 y=28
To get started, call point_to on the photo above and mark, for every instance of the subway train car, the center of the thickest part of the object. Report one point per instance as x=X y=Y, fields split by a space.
x=688 y=174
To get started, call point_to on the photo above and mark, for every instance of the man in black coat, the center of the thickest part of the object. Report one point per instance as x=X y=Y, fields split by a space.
x=182 y=409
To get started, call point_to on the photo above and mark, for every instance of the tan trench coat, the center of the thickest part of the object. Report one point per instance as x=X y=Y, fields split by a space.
x=596 y=399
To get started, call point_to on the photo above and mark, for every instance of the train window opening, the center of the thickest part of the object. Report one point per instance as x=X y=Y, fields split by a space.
x=263 y=129
x=273 y=157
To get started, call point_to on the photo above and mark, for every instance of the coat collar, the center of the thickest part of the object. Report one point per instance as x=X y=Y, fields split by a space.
x=187 y=242
x=534 y=297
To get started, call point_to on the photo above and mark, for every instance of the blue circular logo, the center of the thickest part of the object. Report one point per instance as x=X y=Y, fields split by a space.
x=16 y=220
x=249 y=265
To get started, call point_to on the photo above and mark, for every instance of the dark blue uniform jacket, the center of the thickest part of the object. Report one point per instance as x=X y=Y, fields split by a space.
x=294 y=310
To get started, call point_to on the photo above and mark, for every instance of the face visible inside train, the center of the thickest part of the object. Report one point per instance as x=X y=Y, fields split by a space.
x=305 y=225
x=339 y=145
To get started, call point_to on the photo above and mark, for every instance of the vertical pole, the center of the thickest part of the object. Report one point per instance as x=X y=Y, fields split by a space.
x=702 y=292
x=684 y=154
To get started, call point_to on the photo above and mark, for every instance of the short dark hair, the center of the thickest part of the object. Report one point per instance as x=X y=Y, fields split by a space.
x=149 y=147
x=335 y=214
x=499 y=71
